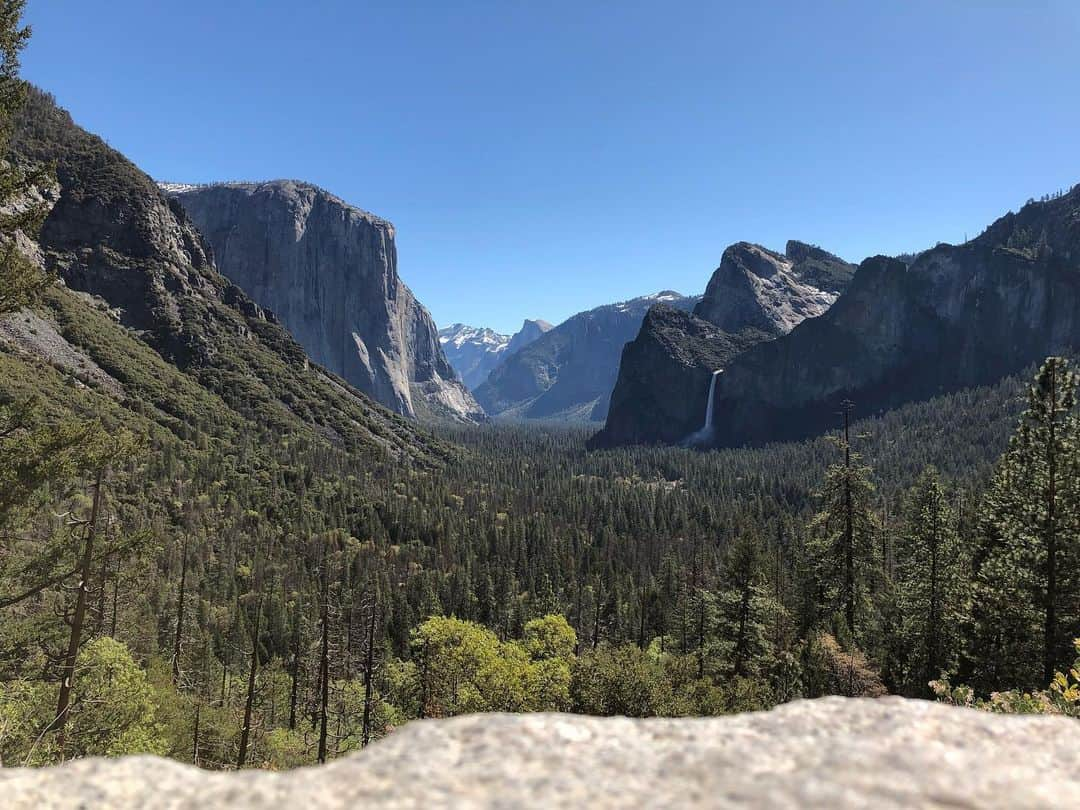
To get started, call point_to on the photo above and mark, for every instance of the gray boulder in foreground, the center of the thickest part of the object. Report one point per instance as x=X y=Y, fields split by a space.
x=829 y=753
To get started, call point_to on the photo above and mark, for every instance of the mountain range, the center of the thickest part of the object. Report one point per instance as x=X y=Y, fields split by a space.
x=141 y=329
x=957 y=316
x=475 y=351
x=568 y=373
x=793 y=336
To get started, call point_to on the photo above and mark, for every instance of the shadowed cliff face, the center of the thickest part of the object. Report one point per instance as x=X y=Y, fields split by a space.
x=959 y=316
x=329 y=273
x=664 y=374
x=754 y=296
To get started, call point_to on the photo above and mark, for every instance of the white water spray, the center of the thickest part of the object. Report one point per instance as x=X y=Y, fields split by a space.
x=709 y=403
x=703 y=435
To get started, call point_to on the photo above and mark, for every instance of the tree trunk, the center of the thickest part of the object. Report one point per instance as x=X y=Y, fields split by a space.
x=249 y=703
x=1050 y=629
x=180 y=615
x=849 y=530
x=67 y=673
x=369 y=674
x=195 y=735
x=295 y=673
x=324 y=661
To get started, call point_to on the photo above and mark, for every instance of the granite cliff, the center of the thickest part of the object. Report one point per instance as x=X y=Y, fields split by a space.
x=955 y=317
x=754 y=296
x=148 y=326
x=834 y=753
x=328 y=271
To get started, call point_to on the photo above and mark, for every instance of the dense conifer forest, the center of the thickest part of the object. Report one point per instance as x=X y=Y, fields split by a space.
x=186 y=571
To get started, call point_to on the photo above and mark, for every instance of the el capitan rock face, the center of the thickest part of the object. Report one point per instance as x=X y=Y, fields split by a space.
x=328 y=271
x=957 y=316
x=755 y=295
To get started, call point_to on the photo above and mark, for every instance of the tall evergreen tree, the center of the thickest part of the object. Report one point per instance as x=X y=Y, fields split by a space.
x=1026 y=587
x=932 y=585
x=746 y=606
x=843 y=539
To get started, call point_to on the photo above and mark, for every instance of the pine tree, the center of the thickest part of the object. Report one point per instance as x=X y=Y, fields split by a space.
x=746 y=606
x=843 y=540
x=1026 y=588
x=931 y=579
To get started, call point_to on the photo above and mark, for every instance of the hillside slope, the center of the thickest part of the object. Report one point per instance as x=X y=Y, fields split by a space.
x=141 y=300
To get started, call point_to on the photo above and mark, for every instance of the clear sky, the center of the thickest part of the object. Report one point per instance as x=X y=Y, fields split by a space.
x=541 y=158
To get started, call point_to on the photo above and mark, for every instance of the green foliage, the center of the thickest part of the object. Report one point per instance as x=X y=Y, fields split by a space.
x=1027 y=585
x=843 y=544
x=114 y=711
x=1061 y=697
x=463 y=667
x=933 y=584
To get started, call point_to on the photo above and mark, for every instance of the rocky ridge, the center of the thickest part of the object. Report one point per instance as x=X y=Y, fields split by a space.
x=834 y=753
x=328 y=271
x=754 y=296
x=957 y=316
x=134 y=272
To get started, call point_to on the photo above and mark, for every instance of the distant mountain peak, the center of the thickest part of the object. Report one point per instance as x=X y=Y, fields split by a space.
x=474 y=351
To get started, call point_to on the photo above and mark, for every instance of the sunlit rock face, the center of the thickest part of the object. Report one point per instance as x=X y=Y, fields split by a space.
x=329 y=272
x=773 y=292
x=834 y=753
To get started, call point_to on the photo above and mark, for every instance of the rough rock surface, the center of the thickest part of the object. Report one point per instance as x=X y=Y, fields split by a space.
x=773 y=292
x=753 y=296
x=568 y=373
x=955 y=317
x=328 y=271
x=833 y=753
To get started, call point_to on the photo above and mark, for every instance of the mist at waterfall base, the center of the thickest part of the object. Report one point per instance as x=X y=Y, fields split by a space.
x=705 y=434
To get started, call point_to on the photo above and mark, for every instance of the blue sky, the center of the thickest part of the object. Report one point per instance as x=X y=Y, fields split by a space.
x=540 y=158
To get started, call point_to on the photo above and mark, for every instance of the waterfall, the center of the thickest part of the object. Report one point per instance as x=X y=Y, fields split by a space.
x=702 y=436
x=709 y=402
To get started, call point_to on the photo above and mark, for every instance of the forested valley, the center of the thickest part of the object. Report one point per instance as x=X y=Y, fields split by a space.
x=213 y=550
